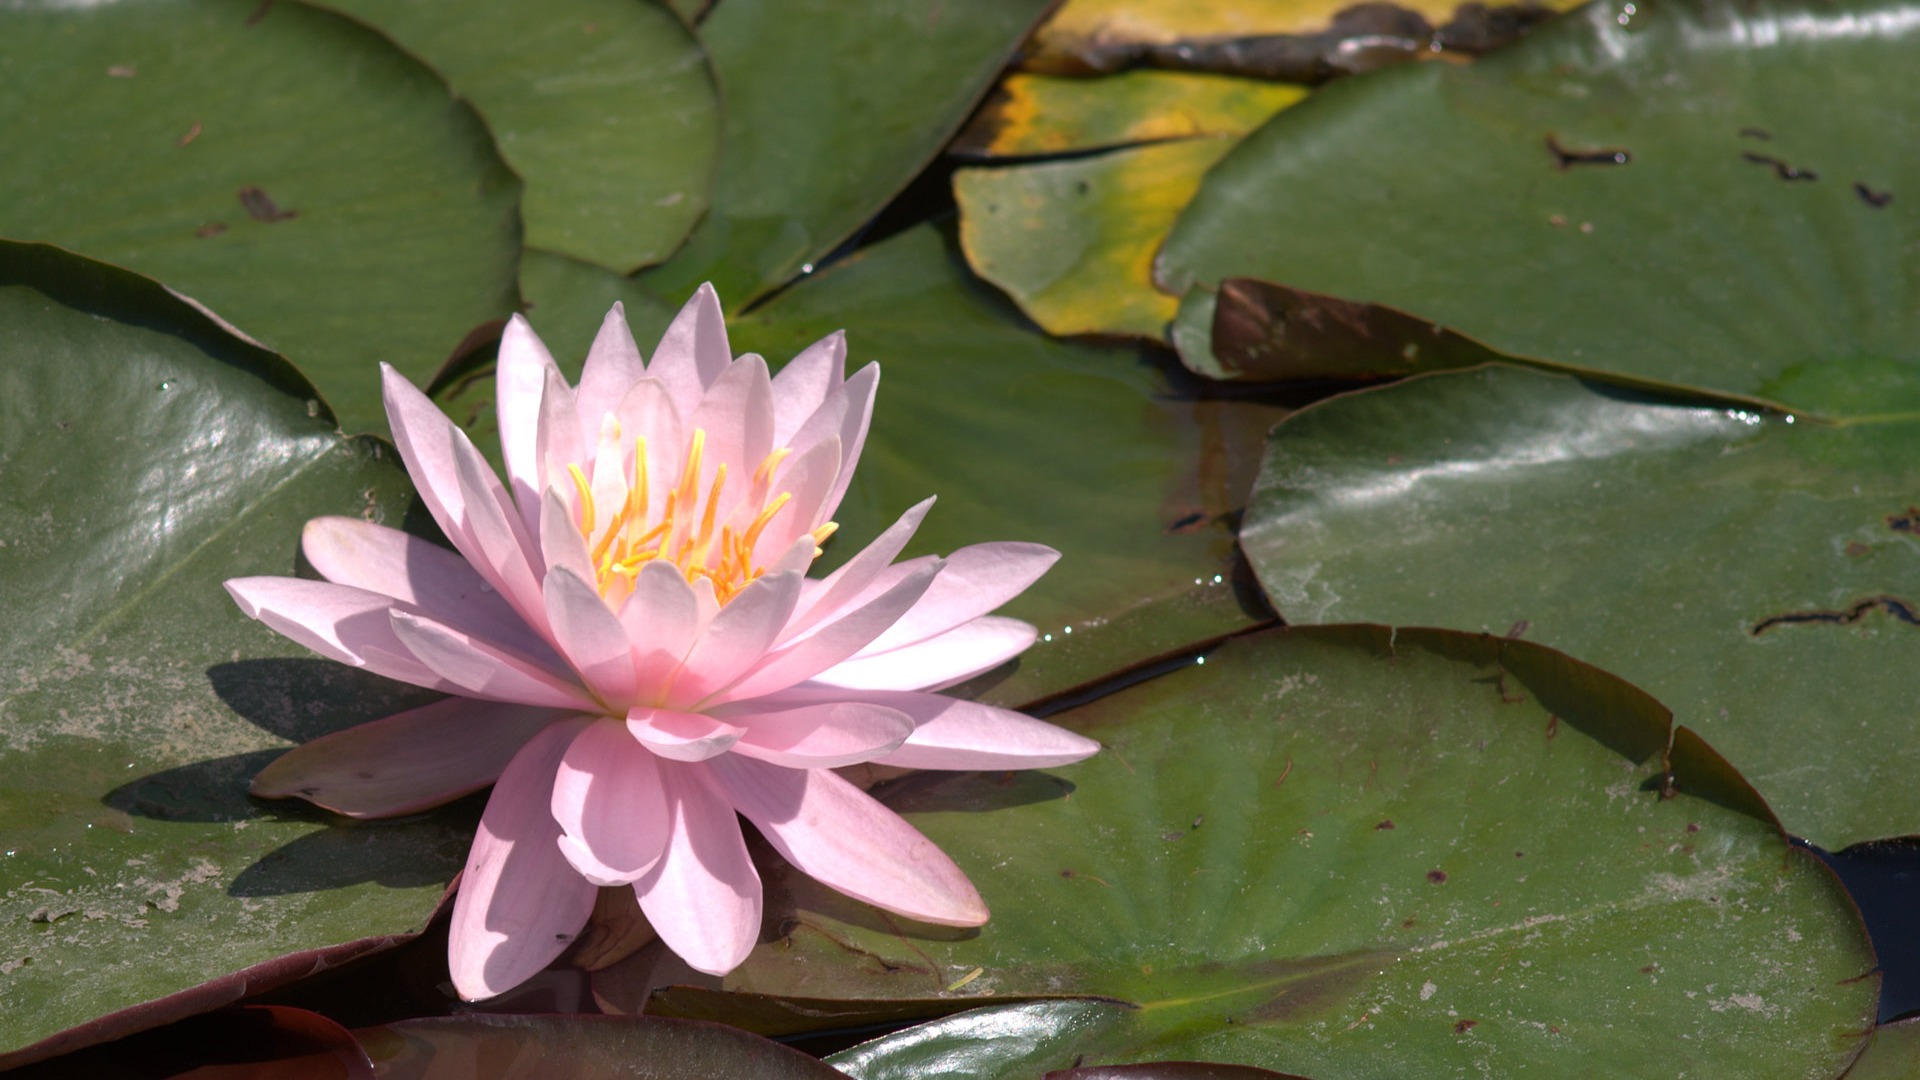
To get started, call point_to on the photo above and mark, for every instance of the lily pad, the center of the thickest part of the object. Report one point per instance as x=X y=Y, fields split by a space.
x=606 y=108
x=283 y=165
x=1042 y=114
x=1758 y=573
x=150 y=455
x=1635 y=189
x=1355 y=850
x=579 y=1048
x=833 y=106
x=1087 y=448
x=1073 y=241
x=1893 y=1053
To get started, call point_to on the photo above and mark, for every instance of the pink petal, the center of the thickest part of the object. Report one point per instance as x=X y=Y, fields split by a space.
x=348 y=551
x=590 y=636
x=703 y=896
x=500 y=549
x=809 y=475
x=648 y=409
x=842 y=586
x=976 y=580
x=520 y=384
x=802 y=385
x=613 y=365
x=853 y=432
x=679 y=736
x=520 y=905
x=845 y=839
x=425 y=439
x=484 y=670
x=557 y=444
x=662 y=618
x=835 y=641
x=960 y=653
x=737 y=415
x=406 y=762
x=561 y=544
x=608 y=801
x=340 y=623
x=694 y=350
x=737 y=638
x=824 y=736
x=954 y=734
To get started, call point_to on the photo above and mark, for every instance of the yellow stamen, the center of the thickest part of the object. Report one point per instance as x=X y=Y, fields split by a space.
x=586 y=499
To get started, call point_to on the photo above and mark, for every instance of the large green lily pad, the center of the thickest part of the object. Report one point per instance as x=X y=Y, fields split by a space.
x=1758 y=573
x=1353 y=851
x=149 y=455
x=1640 y=188
x=579 y=1048
x=833 y=106
x=1088 y=448
x=290 y=169
x=606 y=108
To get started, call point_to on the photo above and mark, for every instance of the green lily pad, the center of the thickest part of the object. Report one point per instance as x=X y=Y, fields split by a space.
x=1044 y=114
x=1636 y=189
x=1756 y=572
x=579 y=1048
x=149 y=456
x=833 y=106
x=285 y=166
x=1355 y=850
x=1893 y=1053
x=606 y=108
x=1084 y=447
x=1073 y=241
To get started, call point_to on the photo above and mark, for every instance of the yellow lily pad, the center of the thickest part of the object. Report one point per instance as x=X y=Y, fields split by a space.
x=1048 y=114
x=1073 y=242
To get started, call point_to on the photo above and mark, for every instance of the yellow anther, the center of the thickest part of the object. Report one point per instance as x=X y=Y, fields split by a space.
x=764 y=474
x=586 y=499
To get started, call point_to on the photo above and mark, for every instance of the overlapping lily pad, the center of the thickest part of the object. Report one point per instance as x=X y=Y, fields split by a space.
x=279 y=164
x=833 y=106
x=580 y=1048
x=1758 y=573
x=606 y=108
x=148 y=456
x=1645 y=189
x=1031 y=115
x=1345 y=850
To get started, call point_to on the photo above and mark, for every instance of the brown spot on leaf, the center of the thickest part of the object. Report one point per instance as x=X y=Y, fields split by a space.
x=1780 y=168
x=1876 y=199
x=1437 y=876
x=1463 y=1026
x=261 y=207
x=1387 y=824
x=211 y=228
x=1902 y=610
x=1565 y=157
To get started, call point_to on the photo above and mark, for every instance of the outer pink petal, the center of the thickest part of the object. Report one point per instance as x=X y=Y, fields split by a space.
x=694 y=350
x=608 y=801
x=613 y=365
x=703 y=896
x=520 y=384
x=506 y=554
x=846 y=839
x=960 y=653
x=484 y=670
x=835 y=641
x=824 y=736
x=520 y=905
x=976 y=580
x=679 y=736
x=406 y=762
x=954 y=734
x=557 y=444
x=841 y=587
x=802 y=385
x=560 y=541
x=426 y=440
x=348 y=551
x=591 y=637
x=737 y=638
x=340 y=623
x=853 y=432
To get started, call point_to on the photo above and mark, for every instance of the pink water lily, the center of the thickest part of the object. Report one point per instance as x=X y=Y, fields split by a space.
x=637 y=654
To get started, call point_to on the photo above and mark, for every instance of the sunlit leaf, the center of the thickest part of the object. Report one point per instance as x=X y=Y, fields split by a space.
x=1761 y=576
x=149 y=456
x=1042 y=114
x=288 y=168
x=606 y=108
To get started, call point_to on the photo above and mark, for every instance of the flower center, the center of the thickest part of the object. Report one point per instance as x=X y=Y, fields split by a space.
x=681 y=528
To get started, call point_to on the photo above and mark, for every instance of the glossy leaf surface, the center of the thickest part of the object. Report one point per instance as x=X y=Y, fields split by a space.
x=1707 y=211
x=281 y=165
x=1351 y=850
x=142 y=701
x=579 y=1048
x=606 y=109
x=1755 y=573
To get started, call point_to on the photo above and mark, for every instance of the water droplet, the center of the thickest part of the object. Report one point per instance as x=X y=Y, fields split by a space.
x=806 y=268
x=1068 y=630
x=165 y=385
x=1200 y=661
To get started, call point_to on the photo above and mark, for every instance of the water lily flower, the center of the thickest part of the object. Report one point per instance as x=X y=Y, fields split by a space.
x=638 y=657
